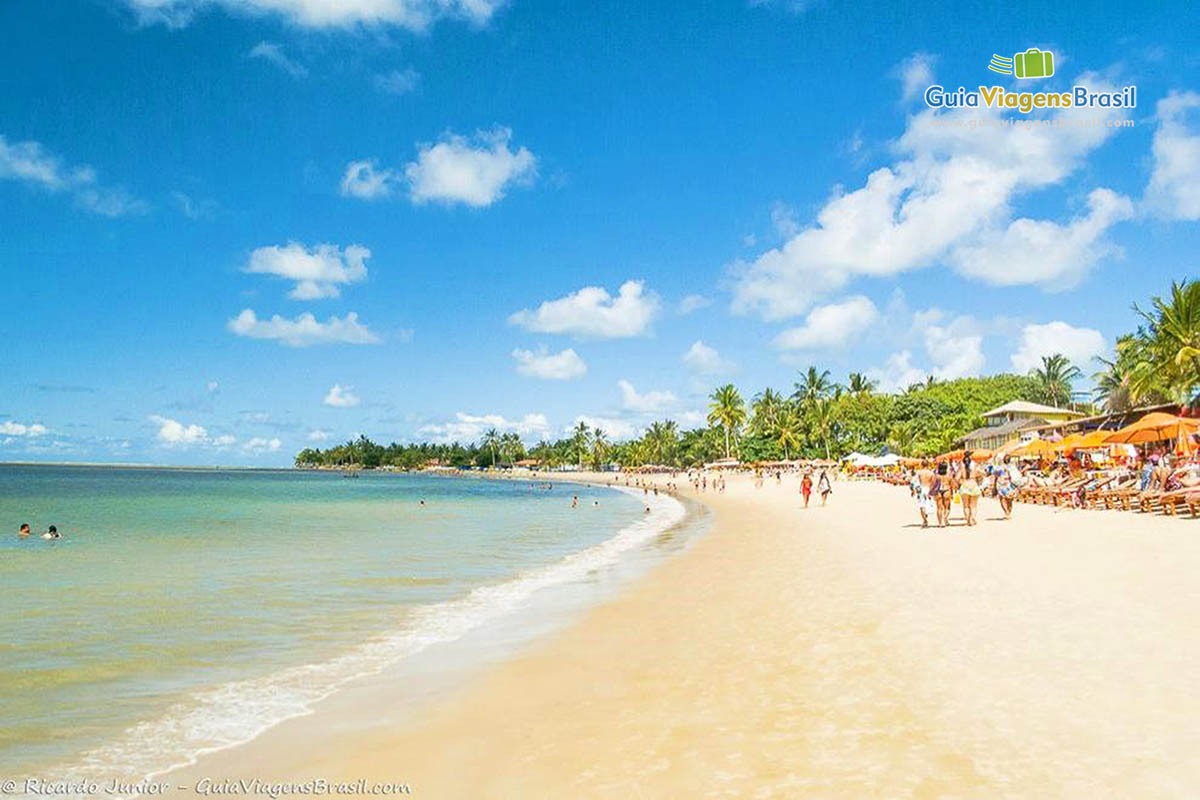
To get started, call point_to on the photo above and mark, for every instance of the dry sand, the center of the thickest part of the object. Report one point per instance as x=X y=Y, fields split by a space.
x=828 y=652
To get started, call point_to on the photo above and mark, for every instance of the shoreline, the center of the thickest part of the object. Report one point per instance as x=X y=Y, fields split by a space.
x=511 y=605
x=833 y=652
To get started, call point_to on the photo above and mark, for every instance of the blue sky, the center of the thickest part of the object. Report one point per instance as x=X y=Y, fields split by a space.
x=517 y=213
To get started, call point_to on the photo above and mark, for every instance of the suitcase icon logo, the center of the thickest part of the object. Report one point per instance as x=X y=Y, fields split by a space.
x=1033 y=63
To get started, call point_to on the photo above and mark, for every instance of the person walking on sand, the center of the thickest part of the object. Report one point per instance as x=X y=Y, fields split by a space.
x=1008 y=480
x=824 y=486
x=969 y=490
x=924 y=492
x=806 y=487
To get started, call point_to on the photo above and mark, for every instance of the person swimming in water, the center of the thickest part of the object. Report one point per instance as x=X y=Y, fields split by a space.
x=52 y=533
x=23 y=531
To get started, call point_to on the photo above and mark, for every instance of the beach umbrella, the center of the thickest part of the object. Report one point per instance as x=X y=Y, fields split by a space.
x=1156 y=427
x=1007 y=448
x=1035 y=448
x=1094 y=439
x=1070 y=443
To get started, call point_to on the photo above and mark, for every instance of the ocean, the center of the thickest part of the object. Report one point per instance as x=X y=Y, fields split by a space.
x=188 y=610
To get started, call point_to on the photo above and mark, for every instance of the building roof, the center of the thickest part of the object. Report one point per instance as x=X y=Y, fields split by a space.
x=1026 y=407
x=1012 y=426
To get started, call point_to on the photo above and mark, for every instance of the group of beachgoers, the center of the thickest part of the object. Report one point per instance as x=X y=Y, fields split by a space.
x=24 y=532
x=823 y=484
x=936 y=488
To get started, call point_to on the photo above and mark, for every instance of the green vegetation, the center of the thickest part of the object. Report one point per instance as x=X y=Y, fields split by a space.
x=1158 y=363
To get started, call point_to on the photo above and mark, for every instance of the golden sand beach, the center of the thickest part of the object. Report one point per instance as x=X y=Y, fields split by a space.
x=837 y=652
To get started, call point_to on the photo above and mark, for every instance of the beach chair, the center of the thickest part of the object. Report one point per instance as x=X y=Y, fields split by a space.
x=1065 y=492
x=1116 y=495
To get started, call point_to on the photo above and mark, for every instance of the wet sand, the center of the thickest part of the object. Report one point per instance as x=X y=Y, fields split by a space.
x=829 y=652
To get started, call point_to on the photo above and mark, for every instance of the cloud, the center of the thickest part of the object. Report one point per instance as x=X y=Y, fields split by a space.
x=693 y=302
x=592 y=312
x=341 y=397
x=317 y=272
x=474 y=172
x=705 y=360
x=398 y=81
x=915 y=73
x=10 y=428
x=260 y=445
x=304 y=330
x=831 y=326
x=318 y=435
x=469 y=427
x=615 y=429
x=1042 y=252
x=212 y=386
x=954 y=348
x=952 y=190
x=1080 y=345
x=415 y=15
x=648 y=403
x=1174 y=188
x=191 y=208
x=172 y=432
x=273 y=53
x=364 y=181
x=561 y=366
x=29 y=163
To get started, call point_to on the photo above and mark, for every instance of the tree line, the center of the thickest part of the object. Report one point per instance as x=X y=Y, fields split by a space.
x=822 y=418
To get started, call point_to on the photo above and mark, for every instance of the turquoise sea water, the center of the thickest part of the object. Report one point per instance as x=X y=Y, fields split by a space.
x=186 y=610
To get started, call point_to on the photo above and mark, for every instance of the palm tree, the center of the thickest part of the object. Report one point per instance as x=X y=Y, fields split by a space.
x=599 y=447
x=1167 y=349
x=1113 y=390
x=822 y=419
x=726 y=410
x=491 y=441
x=861 y=385
x=767 y=408
x=661 y=439
x=1056 y=375
x=579 y=438
x=812 y=386
x=511 y=447
x=789 y=430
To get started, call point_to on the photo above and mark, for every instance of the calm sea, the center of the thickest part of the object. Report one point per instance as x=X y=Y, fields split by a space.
x=188 y=610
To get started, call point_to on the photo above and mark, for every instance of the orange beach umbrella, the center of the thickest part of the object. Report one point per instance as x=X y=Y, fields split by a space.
x=1156 y=427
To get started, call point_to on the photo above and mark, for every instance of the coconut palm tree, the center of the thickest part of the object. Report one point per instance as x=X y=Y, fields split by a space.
x=812 y=386
x=767 y=408
x=1167 y=348
x=821 y=414
x=727 y=410
x=579 y=440
x=600 y=447
x=491 y=441
x=661 y=440
x=1055 y=376
x=788 y=432
x=861 y=385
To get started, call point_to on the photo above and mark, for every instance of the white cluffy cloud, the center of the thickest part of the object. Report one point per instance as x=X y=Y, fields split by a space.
x=693 y=302
x=592 y=312
x=831 y=326
x=562 y=366
x=366 y=181
x=953 y=347
x=29 y=163
x=475 y=171
x=318 y=435
x=341 y=397
x=949 y=196
x=915 y=73
x=414 y=15
x=304 y=330
x=1080 y=345
x=705 y=360
x=647 y=403
x=173 y=433
x=469 y=427
x=1174 y=189
x=615 y=429
x=398 y=81
x=260 y=445
x=273 y=53
x=317 y=272
x=10 y=428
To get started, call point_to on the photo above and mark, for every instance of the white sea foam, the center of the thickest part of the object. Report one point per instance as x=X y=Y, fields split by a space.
x=235 y=713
